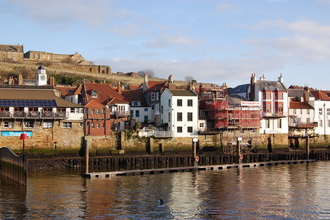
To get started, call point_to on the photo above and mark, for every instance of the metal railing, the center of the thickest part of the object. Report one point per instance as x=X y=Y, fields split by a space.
x=12 y=166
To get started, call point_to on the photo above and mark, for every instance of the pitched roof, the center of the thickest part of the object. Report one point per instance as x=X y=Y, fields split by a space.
x=115 y=101
x=239 y=89
x=300 y=105
x=270 y=85
x=94 y=104
x=36 y=94
x=136 y=95
x=11 y=48
x=104 y=93
x=65 y=90
x=182 y=92
x=320 y=95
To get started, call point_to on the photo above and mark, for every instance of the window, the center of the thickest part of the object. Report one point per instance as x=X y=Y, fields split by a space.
x=135 y=103
x=132 y=113
x=98 y=125
x=308 y=120
x=321 y=123
x=179 y=116
x=152 y=96
x=47 y=124
x=189 y=116
x=294 y=111
x=137 y=113
x=189 y=129
x=85 y=111
x=146 y=118
x=169 y=117
x=201 y=125
x=320 y=111
x=92 y=125
x=190 y=102
x=328 y=111
x=328 y=123
x=152 y=106
x=267 y=123
x=268 y=107
x=88 y=124
x=8 y=124
x=103 y=111
x=28 y=124
x=308 y=111
x=67 y=124
x=179 y=129
x=93 y=111
x=98 y=111
x=179 y=102
x=279 y=123
x=145 y=109
x=169 y=103
x=301 y=111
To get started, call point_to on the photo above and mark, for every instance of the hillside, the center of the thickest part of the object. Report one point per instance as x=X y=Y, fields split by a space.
x=64 y=70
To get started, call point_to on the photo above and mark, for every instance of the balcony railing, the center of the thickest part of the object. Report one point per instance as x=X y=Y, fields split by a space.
x=274 y=114
x=122 y=113
x=33 y=114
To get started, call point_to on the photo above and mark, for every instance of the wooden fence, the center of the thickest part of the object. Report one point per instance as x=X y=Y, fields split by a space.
x=12 y=166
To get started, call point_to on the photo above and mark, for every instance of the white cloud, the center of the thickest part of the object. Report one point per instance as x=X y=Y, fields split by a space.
x=63 y=13
x=173 y=40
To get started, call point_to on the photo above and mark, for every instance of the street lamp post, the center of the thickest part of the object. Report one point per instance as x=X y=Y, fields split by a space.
x=23 y=137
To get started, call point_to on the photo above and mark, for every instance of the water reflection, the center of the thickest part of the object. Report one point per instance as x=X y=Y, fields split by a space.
x=274 y=192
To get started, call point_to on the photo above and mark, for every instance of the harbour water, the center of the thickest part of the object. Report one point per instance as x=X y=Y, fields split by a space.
x=297 y=191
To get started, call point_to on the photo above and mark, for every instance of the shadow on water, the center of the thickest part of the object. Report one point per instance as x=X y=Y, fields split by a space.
x=12 y=199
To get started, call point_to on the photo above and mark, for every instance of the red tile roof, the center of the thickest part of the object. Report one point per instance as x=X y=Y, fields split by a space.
x=94 y=104
x=320 y=95
x=104 y=93
x=300 y=105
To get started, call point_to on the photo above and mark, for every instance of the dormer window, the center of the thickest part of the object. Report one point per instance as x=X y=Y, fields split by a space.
x=136 y=103
x=94 y=93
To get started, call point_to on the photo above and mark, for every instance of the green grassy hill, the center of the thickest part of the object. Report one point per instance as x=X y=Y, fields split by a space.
x=61 y=71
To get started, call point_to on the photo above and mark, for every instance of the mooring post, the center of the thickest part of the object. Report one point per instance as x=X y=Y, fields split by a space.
x=307 y=147
x=194 y=153
x=239 y=155
x=86 y=155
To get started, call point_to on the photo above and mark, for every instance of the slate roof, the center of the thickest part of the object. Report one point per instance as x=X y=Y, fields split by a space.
x=270 y=85
x=298 y=93
x=239 y=89
x=135 y=95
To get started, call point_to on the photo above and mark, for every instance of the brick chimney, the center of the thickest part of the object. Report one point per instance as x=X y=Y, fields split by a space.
x=253 y=87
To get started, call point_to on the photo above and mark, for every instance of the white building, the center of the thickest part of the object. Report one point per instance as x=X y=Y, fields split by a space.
x=179 y=112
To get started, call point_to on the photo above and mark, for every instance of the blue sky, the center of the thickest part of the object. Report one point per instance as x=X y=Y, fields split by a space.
x=214 y=41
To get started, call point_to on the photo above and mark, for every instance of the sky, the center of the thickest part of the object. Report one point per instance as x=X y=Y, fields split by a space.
x=212 y=41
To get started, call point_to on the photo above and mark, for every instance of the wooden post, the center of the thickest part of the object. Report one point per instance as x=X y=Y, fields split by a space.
x=86 y=155
x=194 y=153
x=239 y=155
x=307 y=147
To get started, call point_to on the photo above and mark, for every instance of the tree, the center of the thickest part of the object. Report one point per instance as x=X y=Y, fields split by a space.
x=150 y=73
x=189 y=78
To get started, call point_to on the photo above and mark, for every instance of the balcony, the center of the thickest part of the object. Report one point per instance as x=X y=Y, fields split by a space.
x=32 y=115
x=121 y=114
x=274 y=114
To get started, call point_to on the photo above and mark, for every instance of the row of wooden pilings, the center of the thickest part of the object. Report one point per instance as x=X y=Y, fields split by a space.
x=12 y=166
x=144 y=162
